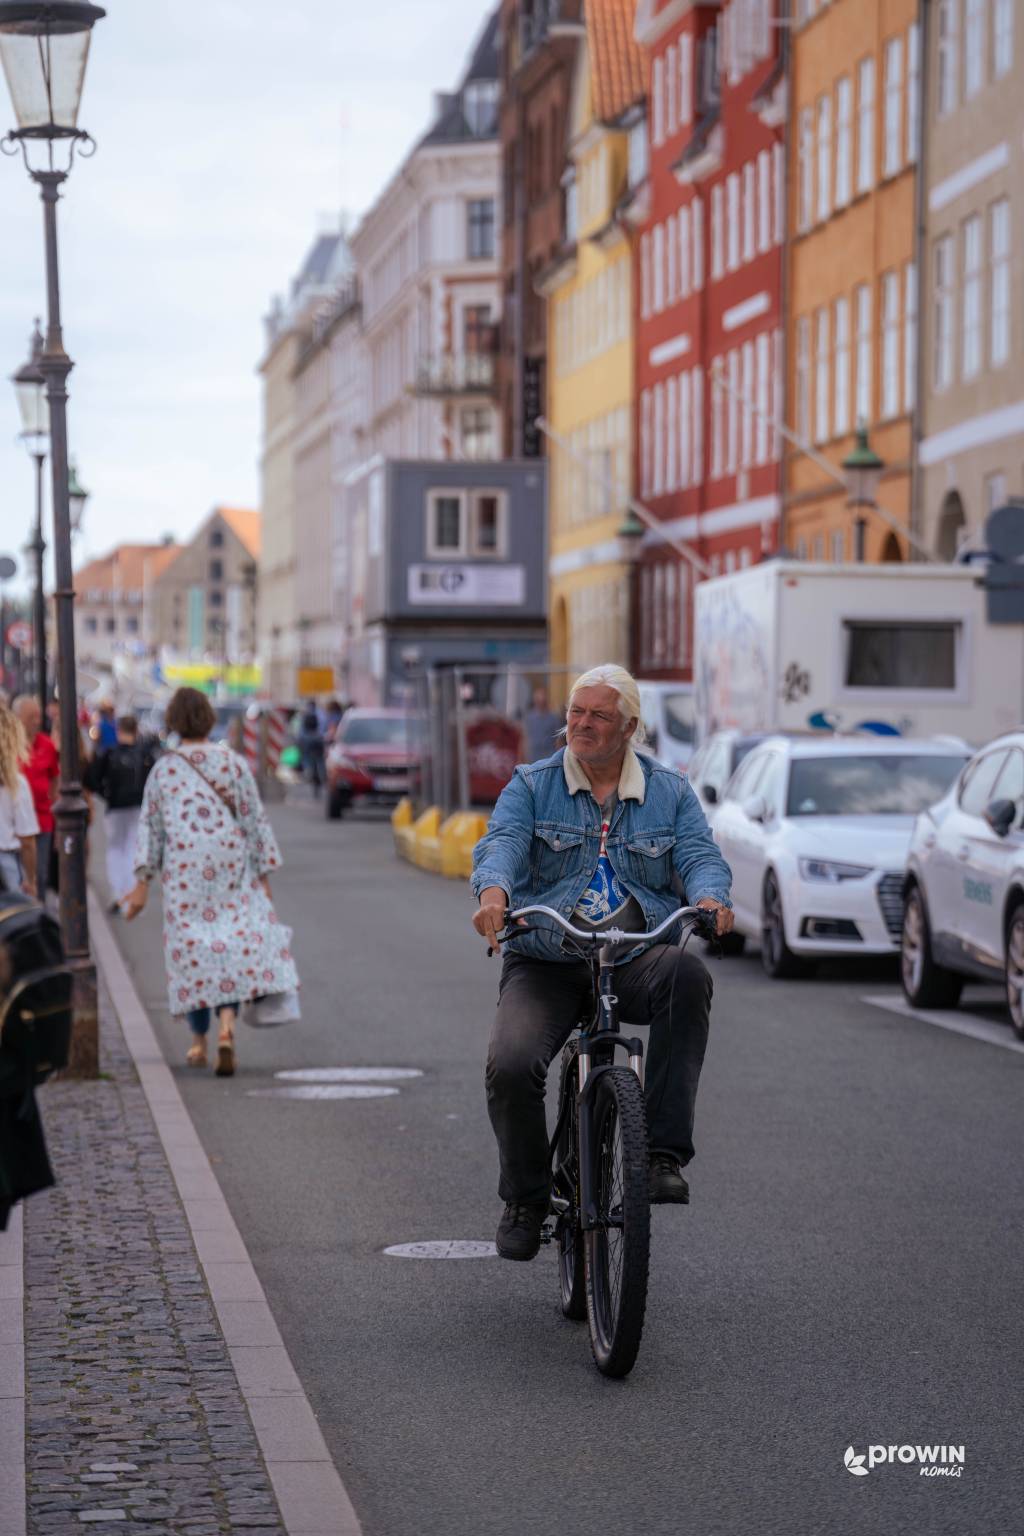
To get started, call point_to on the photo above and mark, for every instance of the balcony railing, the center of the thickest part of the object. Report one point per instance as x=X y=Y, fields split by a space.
x=456 y=373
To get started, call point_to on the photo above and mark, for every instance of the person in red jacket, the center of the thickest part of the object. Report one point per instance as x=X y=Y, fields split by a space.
x=42 y=770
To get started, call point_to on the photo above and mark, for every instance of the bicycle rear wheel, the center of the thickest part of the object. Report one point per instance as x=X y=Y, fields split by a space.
x=571 y=1271
x=618 y=1249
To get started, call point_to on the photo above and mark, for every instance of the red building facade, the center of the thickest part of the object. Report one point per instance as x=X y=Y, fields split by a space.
x=708 y=307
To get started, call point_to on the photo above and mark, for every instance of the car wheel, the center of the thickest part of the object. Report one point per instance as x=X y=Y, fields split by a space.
x=777 y=958
x=1015 y=970
x=925 y=984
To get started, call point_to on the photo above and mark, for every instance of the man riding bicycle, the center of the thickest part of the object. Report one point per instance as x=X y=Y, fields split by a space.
x=605 y=836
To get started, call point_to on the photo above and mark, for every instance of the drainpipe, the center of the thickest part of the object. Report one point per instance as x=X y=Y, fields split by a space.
x=920 y=258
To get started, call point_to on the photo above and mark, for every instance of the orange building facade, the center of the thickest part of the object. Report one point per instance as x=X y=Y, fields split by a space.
x=852 y=301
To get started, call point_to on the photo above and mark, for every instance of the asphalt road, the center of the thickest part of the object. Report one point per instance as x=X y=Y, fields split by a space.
x=847 y=1274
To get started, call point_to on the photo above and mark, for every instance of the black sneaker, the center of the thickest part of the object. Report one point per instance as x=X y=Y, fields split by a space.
x=667 y=1185
x=518 y=1235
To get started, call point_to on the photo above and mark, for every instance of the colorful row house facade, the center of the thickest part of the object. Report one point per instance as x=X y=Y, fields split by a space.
x=708 y=308
x=590 y=393
x=852 y=277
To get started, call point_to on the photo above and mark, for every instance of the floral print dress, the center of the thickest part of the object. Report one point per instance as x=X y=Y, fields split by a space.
x=222 y=940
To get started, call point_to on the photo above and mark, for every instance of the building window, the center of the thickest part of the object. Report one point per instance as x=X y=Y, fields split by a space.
x=216 y=540
x=685 y=407
x=131 y=625
x=480 y=105
x=444 y=524
x=716 y=230
x=909 y=336
x=862 y=403
x=974 y=47
x=671 y=434
x=645 y=277
x=764 y=367
x=685 y=80
x=732 y=229
x=658 y=485
x=891 y=154
x=821 y=369
x=837 y=552
x=1002 y=38
x=477 y=432
x=779 y=199
x=948 y=56
x=844 y=141
x=803 y=378
x=658 y=115
x=913 y=92
x=944 y=297
x=999 y=297
x=865 y=125
x=824 y=157
x=801 y=548
x=764 y=201
x=970 y=353
x=805 y=183
x=684 y=253
x=747 y=418
x=890 y=344
x=215 y=597
x=110 y=625
x=671 y=263
x=995 y=491
x=671 y=82
x=748 y=210
x=91 y=626
x=216 y=570
x=487 y=525
x=732 y=413
x=698 y=426
x=841 y=370
x=480 y=228
x=645 y=441
x=717 y=409
x=819 y=547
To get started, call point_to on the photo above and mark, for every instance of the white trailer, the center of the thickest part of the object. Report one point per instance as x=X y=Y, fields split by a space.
x=898 y=649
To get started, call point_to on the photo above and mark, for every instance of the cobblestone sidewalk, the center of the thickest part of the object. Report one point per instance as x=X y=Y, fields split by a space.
x=135 y=1420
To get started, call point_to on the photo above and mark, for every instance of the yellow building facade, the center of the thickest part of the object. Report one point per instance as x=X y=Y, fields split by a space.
x=590 y=337
x=852 y=302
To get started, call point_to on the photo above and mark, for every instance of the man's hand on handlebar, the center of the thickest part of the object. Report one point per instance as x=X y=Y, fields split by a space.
x=723 y=915
x=489 y=918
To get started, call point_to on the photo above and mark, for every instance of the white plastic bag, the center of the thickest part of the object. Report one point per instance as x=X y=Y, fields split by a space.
x=276 y=1008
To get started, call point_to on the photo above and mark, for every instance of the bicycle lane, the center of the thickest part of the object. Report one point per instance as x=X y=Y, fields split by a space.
x=828 y=1286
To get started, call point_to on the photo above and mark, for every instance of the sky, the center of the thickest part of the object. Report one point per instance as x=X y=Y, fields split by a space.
x=229 y=132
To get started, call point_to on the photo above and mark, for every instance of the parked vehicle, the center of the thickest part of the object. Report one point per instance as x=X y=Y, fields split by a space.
x=963 y=895
x=373 y=758
x=817 y=833
x=667 y=713
x=713 y=764
x=894 y=649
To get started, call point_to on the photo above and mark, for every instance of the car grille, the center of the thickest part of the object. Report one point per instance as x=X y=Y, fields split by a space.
x=890 y=899
x=386 y=770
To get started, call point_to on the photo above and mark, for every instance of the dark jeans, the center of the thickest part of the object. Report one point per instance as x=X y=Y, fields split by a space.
x=541 y=1001
x=44 y=843
x=199 y=1018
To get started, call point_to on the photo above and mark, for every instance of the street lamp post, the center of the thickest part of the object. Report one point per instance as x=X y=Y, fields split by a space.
x=630 y=535
x=30 y=389
x=862 y=469
x=44 y=47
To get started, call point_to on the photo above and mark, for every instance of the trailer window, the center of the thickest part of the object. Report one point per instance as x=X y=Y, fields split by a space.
x=900 y=655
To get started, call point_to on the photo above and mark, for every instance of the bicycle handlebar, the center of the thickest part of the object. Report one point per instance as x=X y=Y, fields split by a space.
x=607 y=935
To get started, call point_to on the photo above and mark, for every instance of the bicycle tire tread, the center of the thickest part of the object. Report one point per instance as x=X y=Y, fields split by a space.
x=618 y=1358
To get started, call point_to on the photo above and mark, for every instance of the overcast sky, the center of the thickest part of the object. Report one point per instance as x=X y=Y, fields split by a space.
x=229 y=131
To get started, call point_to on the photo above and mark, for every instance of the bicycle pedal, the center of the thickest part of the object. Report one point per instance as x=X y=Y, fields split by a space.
x=547 y=1232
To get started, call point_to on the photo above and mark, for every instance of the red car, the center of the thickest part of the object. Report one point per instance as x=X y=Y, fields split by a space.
x=373 y=759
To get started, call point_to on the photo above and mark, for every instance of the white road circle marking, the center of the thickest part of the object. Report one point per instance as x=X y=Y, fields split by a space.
x=323 y=1091
x=347 y=1074
x=444 y=1248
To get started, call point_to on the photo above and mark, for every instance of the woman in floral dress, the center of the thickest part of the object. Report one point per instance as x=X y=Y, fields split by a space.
x=205 y=832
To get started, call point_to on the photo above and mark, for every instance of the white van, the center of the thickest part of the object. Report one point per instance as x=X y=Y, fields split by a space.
x=667 y=711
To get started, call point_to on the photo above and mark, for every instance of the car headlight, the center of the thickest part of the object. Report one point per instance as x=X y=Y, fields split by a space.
x=830 y=871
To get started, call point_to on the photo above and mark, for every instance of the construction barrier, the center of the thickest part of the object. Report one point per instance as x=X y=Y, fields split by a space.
x=442 y=847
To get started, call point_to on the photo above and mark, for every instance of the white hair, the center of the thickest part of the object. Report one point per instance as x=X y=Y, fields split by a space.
x=609 y=675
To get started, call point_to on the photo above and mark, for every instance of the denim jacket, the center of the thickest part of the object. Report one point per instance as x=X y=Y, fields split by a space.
x=543 y=841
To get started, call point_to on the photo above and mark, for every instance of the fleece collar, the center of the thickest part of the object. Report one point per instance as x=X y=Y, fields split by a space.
x=632 y=784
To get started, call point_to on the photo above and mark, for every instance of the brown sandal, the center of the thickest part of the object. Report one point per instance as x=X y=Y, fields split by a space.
x=196 y=1054
x=226 y=1048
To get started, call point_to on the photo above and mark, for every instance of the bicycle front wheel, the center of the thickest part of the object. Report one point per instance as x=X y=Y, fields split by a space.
x=618 y=1249
x=570 y=1241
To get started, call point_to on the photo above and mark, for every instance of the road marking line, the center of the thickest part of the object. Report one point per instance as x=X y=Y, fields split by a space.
x=958 y=1023
x=347 y=1074
x=322 y=1091
x=444 y=1248
x=310 y=1493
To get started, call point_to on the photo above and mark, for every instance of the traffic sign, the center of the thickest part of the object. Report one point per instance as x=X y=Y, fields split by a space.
x=19 y=635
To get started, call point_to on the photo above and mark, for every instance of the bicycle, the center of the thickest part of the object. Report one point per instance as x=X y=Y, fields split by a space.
x=600 y=1154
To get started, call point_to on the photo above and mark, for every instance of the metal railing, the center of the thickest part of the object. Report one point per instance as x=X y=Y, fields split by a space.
x=456 y=373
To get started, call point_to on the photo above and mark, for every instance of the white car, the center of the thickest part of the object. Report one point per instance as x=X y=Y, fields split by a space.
x=716 y=760
x=668 y=717
x=963 y=905
x=816 y=830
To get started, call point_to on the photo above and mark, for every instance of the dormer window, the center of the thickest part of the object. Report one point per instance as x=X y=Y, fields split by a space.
x=480 y=105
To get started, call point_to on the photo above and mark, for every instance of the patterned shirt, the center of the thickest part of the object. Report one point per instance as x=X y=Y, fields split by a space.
x=606 y=903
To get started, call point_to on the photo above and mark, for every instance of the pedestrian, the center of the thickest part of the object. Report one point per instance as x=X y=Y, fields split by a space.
x=18 y=824
x=311 y=744
x=542 y=725
x=205 y=833
x=41 y=768
x=118 y=775
x=104 y=731
x=333 y=716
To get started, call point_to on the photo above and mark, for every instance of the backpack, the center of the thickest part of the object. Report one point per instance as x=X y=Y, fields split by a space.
x=35 y=1011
